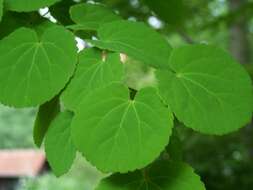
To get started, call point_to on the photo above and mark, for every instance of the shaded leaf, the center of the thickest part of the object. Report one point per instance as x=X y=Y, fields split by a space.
x=34 y=69
x=162 y=175
x=119 y=134
x=59 y=146
x=1 y=9
x=207 y=89
x=45 y=115
x=172 y=11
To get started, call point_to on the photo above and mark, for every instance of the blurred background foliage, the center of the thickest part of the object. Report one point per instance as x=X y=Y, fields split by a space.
x=223 y=162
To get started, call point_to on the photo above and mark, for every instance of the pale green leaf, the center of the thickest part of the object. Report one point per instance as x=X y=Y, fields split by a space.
x=93 y=71
x=90 y=16
x=207 y=89
x=59 y=147
x=117 y=134
x=136 y=40
x=162 y=175
x=45 y=115
x=28 y=5
x=35 y=69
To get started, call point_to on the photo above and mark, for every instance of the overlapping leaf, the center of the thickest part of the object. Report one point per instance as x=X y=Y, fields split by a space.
x=136 y=40
x=161 y=175
x=117 y=134
x=91 y=16
x=34 y=69
x=93 y=71
x=28 y=5
x=59 y=146
x=45 y=115
x=207 y=89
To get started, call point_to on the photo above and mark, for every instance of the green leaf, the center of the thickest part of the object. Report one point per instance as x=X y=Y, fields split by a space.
x=162 y=175
x=136 y=40
x=91 y=16
x=59 y=147
x=92 y=73
x=28 y=5
x=119 y=134
x=45 y=115
x=172 y=11
x=207 y=89
x=34 y=69
x=1 y=9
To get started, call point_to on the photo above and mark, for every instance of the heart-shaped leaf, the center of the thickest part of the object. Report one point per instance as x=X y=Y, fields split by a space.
x=34 y=69
x=207 y=89
x=118 y=134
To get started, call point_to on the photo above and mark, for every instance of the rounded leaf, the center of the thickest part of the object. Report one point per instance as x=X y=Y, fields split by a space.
x=34 y=69
x=207 y=89
x=117 y=134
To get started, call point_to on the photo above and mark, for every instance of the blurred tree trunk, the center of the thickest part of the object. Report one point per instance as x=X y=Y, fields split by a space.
x=239 y=43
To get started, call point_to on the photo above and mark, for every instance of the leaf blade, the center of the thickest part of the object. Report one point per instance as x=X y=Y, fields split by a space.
x=205 y=88
x=128 y=37
x=91 y=16
x=59 y=148
x=44 y=117
x=28 y=5
x=95 y=73
x=23 y=59
x=137 y=130
x=160 y=175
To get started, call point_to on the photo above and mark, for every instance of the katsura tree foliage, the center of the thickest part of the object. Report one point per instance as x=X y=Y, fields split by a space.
x=88 y=103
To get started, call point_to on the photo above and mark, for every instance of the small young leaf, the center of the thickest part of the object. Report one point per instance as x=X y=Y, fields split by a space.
x=34 y=69
x=118 y=134
x=136 y=40
x=28 y=5
x=207 y=89
x=92 y=72
x=161 y=175
x=59 y=146
x=90 y=16
x=45 y=115
x=1 y=9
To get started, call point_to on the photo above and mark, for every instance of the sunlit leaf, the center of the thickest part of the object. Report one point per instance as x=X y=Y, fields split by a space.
x=118 y=134
x=207 y=89
x=34 y=69
x=93 y=71
x=136 y=40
